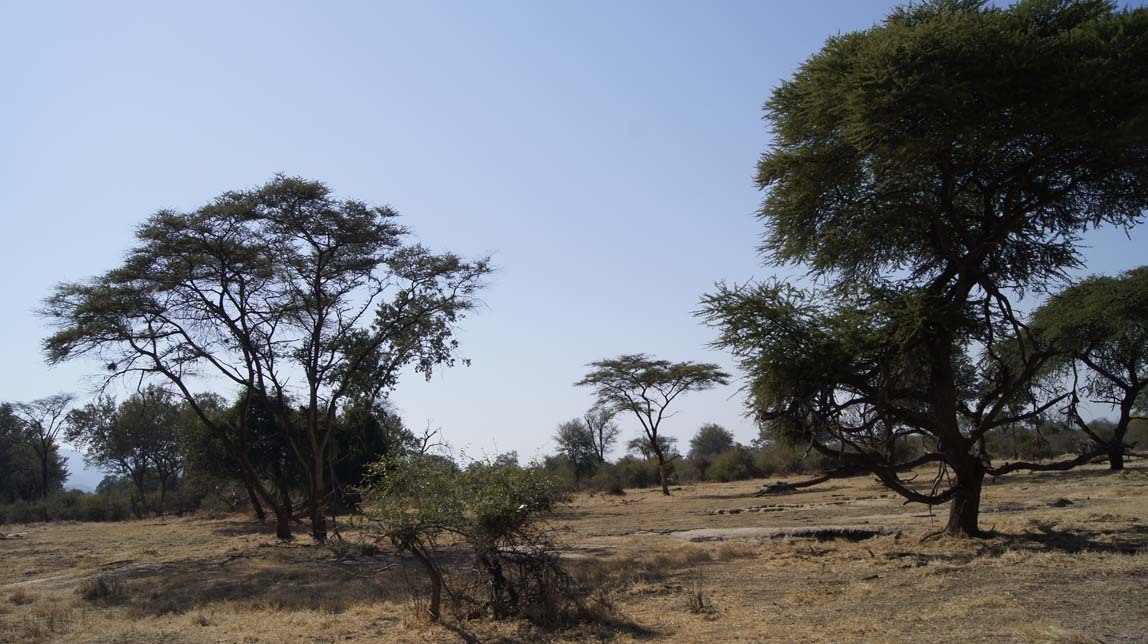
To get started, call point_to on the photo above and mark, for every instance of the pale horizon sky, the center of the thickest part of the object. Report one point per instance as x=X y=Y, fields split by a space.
x=603 y=152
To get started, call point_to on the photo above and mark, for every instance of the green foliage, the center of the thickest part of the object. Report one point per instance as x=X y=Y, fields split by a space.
x=645 y=387
x=734 y=464
x=72 y=505
x=642 y=447
x=960 y=130
x=927 y=169
x=139 y=439
x=1098 y=328
x=21 y=476
x=283 y=291
x=710 y=440
x=419 y=501
x=576 y=443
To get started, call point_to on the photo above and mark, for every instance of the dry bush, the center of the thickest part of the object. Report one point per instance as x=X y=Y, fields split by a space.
x=45 y=622
x=101 y=587
x=697 y=600
x=20 y=597
x=731 y=550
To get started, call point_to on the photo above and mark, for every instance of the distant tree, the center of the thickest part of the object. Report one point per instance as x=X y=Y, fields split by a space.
x=137 y=440
x=925 y=171
x=20 y=466
x=640 y=447
x=577 y=444
x=45 y=419
x=1099 y=328
x=600 y=422
x=711 y=440
x=284 y=292
x=645 y=387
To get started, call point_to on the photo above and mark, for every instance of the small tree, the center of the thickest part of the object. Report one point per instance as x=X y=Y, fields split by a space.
x=1099 y=328
x=710 y=441
x=21 y=478
x=640 y=446
x=600 y=422
x=45 y=419
x=136 y=439
x=576 y=443
x=646 y=387
x=421 y=501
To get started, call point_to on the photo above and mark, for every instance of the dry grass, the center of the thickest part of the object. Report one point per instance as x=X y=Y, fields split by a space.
x=1052 y=572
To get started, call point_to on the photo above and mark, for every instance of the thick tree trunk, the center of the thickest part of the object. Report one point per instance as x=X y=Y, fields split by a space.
x=966 y=505
x=283 y=524
x=1116 y=457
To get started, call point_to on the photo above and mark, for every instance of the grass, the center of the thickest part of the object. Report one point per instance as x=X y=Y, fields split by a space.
x=1051 y=572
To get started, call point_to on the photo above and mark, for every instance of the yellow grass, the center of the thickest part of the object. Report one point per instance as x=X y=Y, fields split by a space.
x=1073 y=573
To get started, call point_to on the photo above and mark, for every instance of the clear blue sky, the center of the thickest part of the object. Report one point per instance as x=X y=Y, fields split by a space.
x=603 y=151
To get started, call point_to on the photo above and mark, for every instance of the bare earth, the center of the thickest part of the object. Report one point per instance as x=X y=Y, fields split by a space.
x=1068 y=562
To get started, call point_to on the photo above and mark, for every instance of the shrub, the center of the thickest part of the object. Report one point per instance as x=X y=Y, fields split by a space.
x=780 y=458
x=415 y=501
x=100 y=587
x=734 y=464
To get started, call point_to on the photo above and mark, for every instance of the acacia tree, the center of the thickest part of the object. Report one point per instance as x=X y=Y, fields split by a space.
x=926 y=171
x=20 y=465
x=575 y=442
x=1099 y=329
x=285 y=292
x=645 y=387
x=45 y=420
x=603 y=430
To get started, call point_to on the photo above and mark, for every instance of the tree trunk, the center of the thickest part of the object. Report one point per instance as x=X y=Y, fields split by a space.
x=141 y=490
x=966 y=505
x=283 y=524
x=318 y=508
x=662 y=474
x=435 y=607
x=44 y=473
x=1116 y=456
x=255 y=504
x=162 y=495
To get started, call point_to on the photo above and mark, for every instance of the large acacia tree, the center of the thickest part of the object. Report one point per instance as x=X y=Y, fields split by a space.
x=1099 y=330
x=286 y=293
x=926 y=171
x=646 y=386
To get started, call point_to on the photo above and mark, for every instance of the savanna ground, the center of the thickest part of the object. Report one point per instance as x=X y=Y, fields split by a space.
x=1067 y=562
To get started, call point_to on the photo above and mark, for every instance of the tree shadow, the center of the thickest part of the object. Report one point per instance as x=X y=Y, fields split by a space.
x=1129 y=540
x=236 y=528
x=1074 y=475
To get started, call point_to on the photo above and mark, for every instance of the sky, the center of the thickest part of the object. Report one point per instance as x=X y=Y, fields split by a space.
x=602 y=152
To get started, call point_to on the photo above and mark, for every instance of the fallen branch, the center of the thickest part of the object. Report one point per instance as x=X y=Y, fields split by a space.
x=782 y=487
x=11 y=535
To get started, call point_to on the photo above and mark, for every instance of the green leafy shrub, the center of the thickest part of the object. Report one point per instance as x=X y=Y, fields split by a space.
x=734 y=464
x=419 y=502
